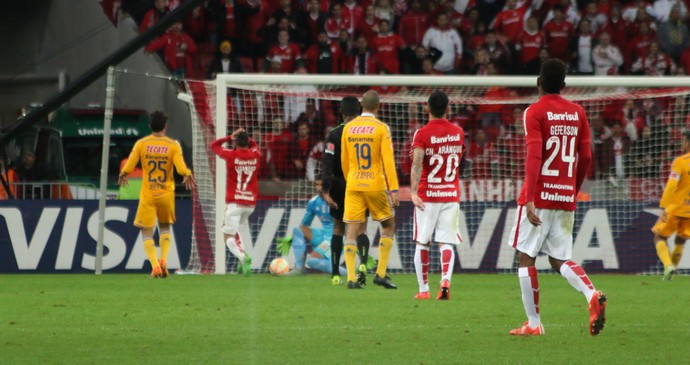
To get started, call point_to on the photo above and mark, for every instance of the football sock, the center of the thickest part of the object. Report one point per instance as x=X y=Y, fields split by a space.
x=421 y=267
x=150 y=249
x=165 y=244
x=677 y=254
x=447 y=261
x=336 y=251
x=235 y=248
x=529 y=285
x=385 y=246
x=350 y=254
x=662 y=252
x=323 y=265
x=577 y=277
x=299 y=247
x=363 y=248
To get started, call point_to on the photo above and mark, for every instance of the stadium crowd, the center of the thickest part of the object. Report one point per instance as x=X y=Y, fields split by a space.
x=442 y=37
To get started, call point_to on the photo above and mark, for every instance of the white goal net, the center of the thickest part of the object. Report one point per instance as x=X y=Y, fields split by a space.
x=637 y=126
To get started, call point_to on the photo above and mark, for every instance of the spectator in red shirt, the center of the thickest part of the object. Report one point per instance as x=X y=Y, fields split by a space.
x=300 y=149
x=278 y=142
x=354 y=11
x=195 y=24
x=482 y=157
x=530 y=42
x=558 y=32
x=478 y=38
x=287 y=52
x=337 y=22
x=362 y=60
x=178 y=48
x=413 y=24
x=509 y=23
x=619 y=29
x=642 y=18
x=637 y=48
x=316 y=19
x=154 y=15
x=369 y=25
x=656 y=63
x=386 y=46
x=324 y=56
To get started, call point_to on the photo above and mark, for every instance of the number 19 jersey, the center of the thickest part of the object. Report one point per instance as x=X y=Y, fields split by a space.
x=367 y=155
x=443 y=144
x=561 y=128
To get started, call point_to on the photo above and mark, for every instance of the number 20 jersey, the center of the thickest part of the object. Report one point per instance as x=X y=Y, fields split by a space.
x=443 y=144
x=561 y=128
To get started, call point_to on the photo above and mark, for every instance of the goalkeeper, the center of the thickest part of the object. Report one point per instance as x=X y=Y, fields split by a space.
x=320 y=239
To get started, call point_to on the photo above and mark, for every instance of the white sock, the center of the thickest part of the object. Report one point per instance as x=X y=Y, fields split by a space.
x=577 y=277
x=447 y=264
x=234 y=248
x=421 y=267
x=529 y=285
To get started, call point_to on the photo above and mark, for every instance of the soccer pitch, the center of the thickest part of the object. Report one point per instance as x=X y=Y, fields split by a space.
x=229 y=319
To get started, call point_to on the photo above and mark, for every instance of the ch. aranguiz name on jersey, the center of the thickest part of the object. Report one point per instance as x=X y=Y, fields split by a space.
x=443 y=144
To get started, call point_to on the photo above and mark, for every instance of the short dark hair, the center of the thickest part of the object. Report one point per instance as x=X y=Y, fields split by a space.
x=317 y=177
x=157 y=121
x=438 y=103
x=242 y=139
x=552 y=75
x=349 y=106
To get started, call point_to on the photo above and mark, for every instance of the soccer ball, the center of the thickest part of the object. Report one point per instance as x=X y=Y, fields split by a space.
x=279 y=266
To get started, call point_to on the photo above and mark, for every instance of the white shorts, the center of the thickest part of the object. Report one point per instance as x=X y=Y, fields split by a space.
x=440 y=217
x=234 y=216
x=554 y=236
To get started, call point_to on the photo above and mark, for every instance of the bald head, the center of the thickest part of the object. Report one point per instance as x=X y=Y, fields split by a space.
x=370 y=101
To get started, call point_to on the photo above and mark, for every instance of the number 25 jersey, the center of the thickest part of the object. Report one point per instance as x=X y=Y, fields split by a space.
x=367 y=155
x=561 y=128
x=157 y=156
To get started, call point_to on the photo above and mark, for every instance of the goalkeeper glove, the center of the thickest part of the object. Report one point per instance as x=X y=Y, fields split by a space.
x=371 y=263
x=283 y=246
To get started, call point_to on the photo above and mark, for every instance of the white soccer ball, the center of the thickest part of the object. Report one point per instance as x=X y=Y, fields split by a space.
x=279 y=266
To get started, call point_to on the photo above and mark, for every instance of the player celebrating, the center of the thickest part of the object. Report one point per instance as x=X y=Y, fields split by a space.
x=334 y=194
x=320 y=239
x=435 y=184
x=367 y=162
x=676 y=215
x=558 y=156
x=158 y=155
x=242 y=189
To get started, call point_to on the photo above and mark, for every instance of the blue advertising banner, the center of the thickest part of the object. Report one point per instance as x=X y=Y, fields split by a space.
x=60 y=236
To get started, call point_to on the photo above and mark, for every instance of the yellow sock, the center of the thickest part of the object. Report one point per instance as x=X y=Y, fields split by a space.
x=350 y=254
x=150 y=249
x=165 y=245
x=677 y=254
x=385 y=246
x=662 y=252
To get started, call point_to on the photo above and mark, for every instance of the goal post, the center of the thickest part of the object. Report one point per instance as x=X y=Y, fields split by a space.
x=479 y=103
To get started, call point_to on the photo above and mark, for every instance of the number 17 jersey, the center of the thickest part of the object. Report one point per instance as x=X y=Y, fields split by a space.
x=443 y=144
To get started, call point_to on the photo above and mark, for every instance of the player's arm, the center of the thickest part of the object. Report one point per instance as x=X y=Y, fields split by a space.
x=132 y=162
x=532 y=163
x=181 y=167
x=328 y=162
x=388 y=157
x=584 y=155
x=416 y=176
x=671 y=185
x=218 y=149
x=344 y=158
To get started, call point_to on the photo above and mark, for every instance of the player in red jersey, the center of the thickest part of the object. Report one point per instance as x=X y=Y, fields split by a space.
x=558 y=157
x=386 y=46
x=242 y=164
x=435 y=184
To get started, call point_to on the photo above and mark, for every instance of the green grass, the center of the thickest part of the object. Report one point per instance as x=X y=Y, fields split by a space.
x=131 y=319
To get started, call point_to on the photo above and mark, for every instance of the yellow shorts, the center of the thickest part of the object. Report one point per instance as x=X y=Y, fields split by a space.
x=357 y=203
x=161 y=207
x=668 y=224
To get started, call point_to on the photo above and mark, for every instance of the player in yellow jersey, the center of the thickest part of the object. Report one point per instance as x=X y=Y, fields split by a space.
x=369 y=169
x=158 y=155
x=676 y=216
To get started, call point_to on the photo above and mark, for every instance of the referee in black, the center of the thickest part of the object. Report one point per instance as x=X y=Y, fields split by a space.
x=334 y=194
